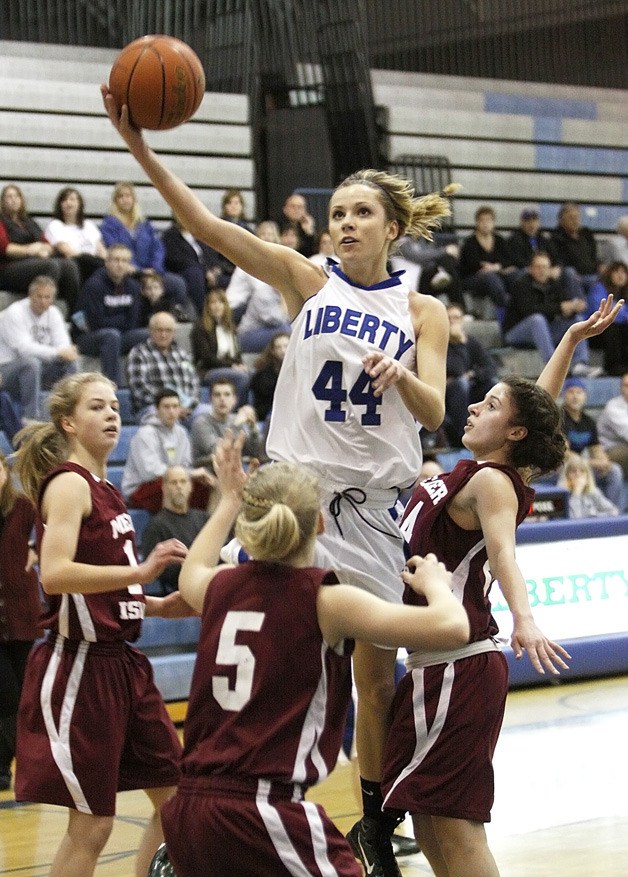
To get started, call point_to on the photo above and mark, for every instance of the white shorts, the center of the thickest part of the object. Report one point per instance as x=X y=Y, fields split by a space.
x=367 y=551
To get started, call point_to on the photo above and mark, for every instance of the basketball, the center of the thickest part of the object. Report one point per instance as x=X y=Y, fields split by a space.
x=160 y=79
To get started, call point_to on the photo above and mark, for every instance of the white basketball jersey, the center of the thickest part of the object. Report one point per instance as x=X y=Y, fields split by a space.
x=325 y=414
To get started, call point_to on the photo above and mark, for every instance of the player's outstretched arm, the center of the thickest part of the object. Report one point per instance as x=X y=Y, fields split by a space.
x=347 y=612
x=292 y=274
x=203 y=557
x=553 y=375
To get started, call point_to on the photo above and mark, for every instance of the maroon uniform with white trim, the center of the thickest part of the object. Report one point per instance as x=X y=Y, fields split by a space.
x=447 y=714
x=91 y=721
x=266 y=715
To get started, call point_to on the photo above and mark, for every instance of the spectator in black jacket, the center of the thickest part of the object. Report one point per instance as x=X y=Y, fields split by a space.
x=107 y=321
x=529 y=239
x=471 y=372
x=215 y=346
x=574 y=245
x=485 y=261
x=541 y=310
x=199 y=265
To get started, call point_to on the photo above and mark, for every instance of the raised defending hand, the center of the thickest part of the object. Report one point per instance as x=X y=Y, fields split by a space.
x=163 y=554
x=384 y=371
x=598 y=321
x=227 y=460
x=543 y=653
x=424 y=574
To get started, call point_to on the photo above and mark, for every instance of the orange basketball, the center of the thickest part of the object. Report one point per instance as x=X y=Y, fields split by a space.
x=160 y=79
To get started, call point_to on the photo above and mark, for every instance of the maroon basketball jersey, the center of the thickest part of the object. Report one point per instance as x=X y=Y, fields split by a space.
x=428 y=528
x=269 y=698
x=107 y=537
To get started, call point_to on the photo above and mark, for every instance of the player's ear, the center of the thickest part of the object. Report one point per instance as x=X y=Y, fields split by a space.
x=517 y=433
x=320 y=524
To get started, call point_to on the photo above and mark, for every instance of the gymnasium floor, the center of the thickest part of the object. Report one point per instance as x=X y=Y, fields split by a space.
x=561 y=803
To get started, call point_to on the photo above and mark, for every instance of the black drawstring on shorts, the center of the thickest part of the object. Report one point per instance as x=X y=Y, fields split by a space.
x=355 y=496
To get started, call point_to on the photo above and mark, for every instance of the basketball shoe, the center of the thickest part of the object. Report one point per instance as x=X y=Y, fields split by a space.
x=371 y=845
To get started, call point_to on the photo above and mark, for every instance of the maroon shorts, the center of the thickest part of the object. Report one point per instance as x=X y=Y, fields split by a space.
x=221 y=827
x=439 y=753
x=92 y=723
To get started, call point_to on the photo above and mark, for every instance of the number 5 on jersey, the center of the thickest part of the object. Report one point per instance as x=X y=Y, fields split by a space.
x=241 y=657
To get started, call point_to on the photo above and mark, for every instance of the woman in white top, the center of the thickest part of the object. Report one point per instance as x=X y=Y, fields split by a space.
x=365 y=367
x=72 y=235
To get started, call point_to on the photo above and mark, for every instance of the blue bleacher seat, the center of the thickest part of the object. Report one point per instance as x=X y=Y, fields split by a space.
x=119 y=454
x=126 y=407
x=140 y=518
x=114 y=474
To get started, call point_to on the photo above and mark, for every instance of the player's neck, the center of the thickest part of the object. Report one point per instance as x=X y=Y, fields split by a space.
x=96 y=465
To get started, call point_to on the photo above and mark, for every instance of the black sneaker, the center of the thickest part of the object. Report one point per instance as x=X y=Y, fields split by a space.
x=5 y=779
x=403 y=845
x=370 y=842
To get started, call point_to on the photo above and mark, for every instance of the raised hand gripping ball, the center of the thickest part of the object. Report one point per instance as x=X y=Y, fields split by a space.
x=160 y=79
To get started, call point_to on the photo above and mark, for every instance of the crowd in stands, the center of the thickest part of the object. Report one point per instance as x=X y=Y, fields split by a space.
x=124 y=286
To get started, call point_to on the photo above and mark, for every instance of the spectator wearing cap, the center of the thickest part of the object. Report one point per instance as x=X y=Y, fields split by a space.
x=582 y=438
x=528 y=239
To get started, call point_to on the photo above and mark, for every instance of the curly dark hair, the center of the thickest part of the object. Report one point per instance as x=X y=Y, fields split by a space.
x=544 y=447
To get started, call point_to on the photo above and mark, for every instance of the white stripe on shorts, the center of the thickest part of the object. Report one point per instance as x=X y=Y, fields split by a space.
x=60 y=739
x=281 y=840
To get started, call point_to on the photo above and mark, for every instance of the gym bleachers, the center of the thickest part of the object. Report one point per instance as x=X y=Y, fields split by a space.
x=513 y=144
x=54 y=133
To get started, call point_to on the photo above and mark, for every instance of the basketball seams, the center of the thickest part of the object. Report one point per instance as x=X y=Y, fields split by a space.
x=160 y=79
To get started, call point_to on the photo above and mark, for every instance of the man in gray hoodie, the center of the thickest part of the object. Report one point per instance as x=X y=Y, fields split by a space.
x=161 y=441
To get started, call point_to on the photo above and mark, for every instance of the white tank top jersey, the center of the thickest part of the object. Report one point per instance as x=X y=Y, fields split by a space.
x=325 y=414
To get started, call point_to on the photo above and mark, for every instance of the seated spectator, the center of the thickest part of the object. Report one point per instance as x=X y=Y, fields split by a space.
x=125 y=225
x=574 y=245
x=159 y=363
x=73 y=236
x=582 y=438
x=528 y=239
x=265 y=313
x=539 y=313
x=612 y=427
x=232 y=209
x=484 y=261
x=35 y=346
x=25 y=253
x=108 y=316
x=199 y=265
x=215 y=345
x=175 y=520
x=241 y=284
x=585 y=499
x=294 y=214
x=471 y=372
x=289 y=237
x=437 y=266
x=429 y=468
x=154 y=299
x=264 y=378
x=161 y=442
x=324 y=249
x=617 y=246
x=614 y=341
x=208 y=428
